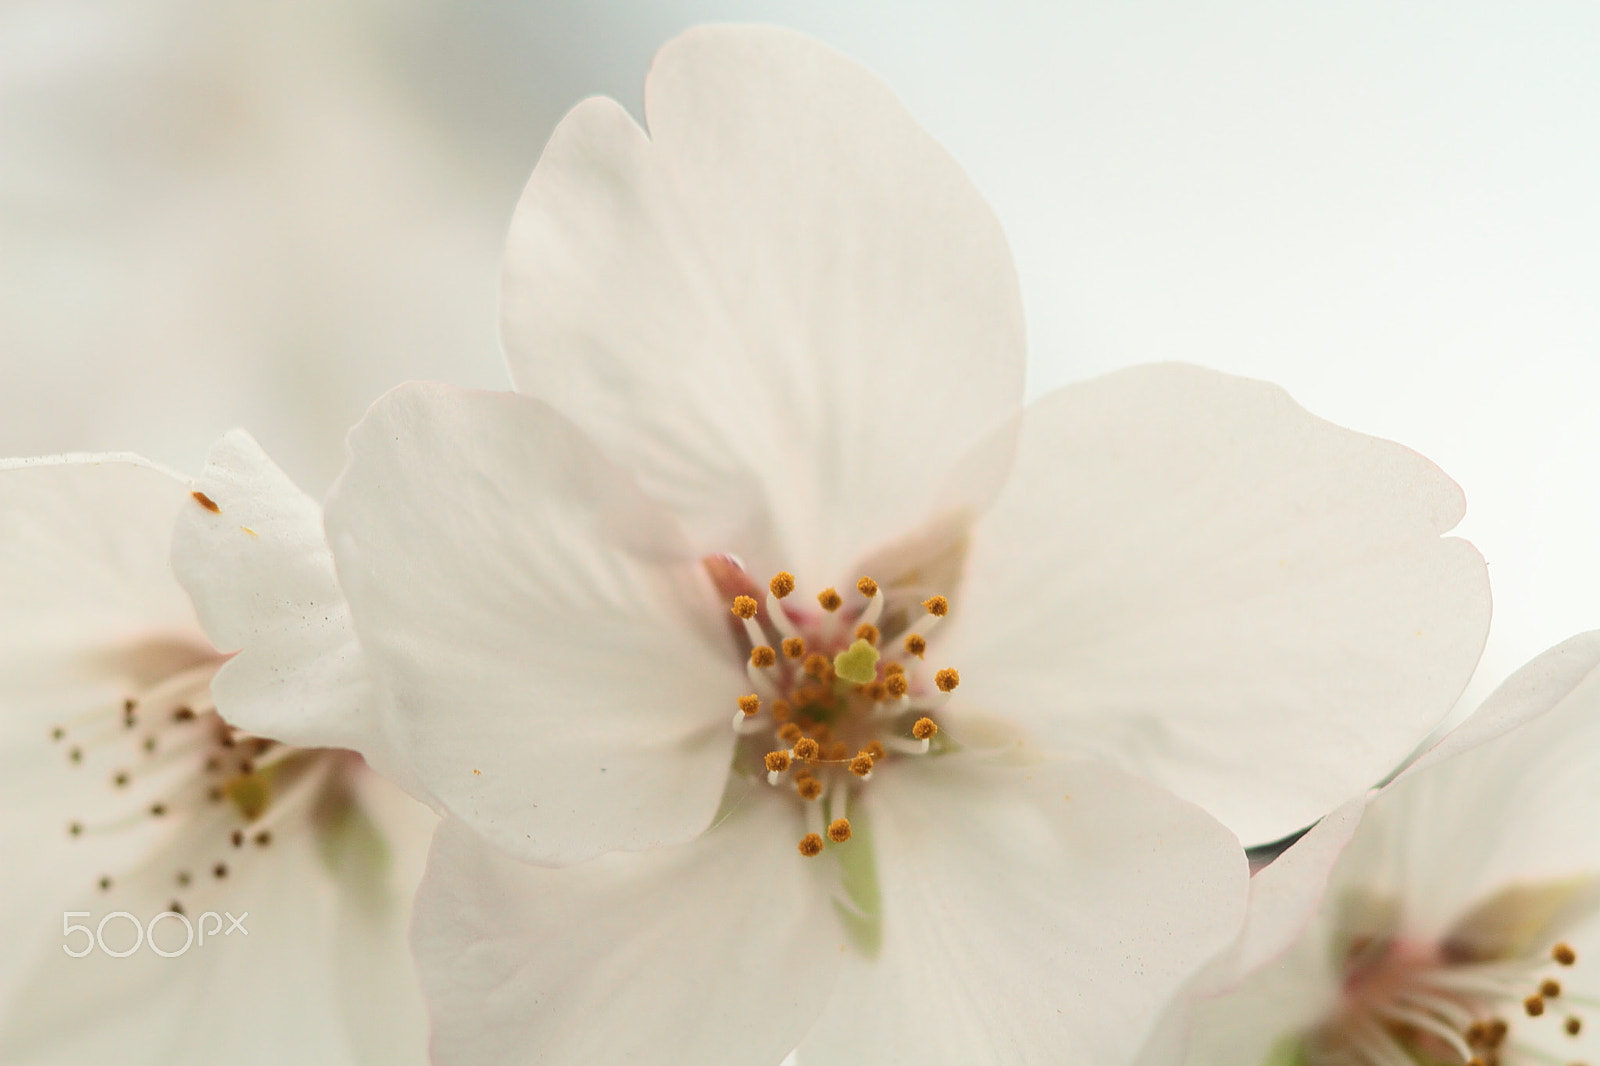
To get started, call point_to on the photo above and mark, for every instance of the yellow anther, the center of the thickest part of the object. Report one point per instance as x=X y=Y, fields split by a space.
x=762 y=656
x=896 y=685
x=875 y=749
x=817 y=665
x=777 y=761
x=947 y=679
x=893 y=668
x=924 y=728
x=1549 y=988
x=744 y=607
x=808 y=787
x=830 y=599
x=868 y=632
x=790 y=733
x=794 y=648
x=875 y=691
x=821 y=732
x=937 y=606
x=1564 y=954
x=916 y=645
x=1534 y=1005
x=1497 y=1032
x=838 y=751
x=782 y=584
x=839 y=830
x=867 y=587
x=1574 y=1026
x=861 y=765
x=750 y=704
x=781 y=711
x=810 y=845
x=806 y=749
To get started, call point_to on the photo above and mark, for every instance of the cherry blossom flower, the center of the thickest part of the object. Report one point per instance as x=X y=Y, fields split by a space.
x=124 y=790
x=766 y=611
x=1452 y=918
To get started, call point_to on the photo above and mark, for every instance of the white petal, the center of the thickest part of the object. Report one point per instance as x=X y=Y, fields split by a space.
x=1191 y=576
x=1480 y=813
x=551 y=663
x=717 y=951
x=1514 y=808
x=85 y=593
x=85 y=542
x=258 y=566
x=787 y=311
x=1030 y=915
x=275 y=993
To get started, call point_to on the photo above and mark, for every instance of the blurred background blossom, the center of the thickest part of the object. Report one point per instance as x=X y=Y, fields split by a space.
x=264 y=214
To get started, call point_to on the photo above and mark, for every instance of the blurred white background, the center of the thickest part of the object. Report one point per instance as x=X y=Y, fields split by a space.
x=263 y=214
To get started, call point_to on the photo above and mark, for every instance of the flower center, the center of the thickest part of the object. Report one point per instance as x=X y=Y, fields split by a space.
x=838 y=690
x=164 y=773
x=1402 y=1004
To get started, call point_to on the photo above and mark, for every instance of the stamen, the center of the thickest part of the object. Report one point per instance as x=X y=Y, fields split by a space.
x=839 y=830
x=838 y=751
x=749 y=705
x=808 y=787
x=1574 y=1025
x=830 y=599
x=937 y=606
x=817 y=665
x=868 y=632
x=1549 y=988
x=915 y=645
x=1534 y=1005
x=869 y=588
x=875 y=749
x=947 y=679
x=807 y=750
x=1563 y=954
x=794 y=648
x=896 y=685
x=781 y=711
x=790 y=733
x=861 y=765
x=1429 y=1024
x=744 y=608
x=924 y=728
x=779 y=587
x=811 y=845
x=762 y=656
x=893 y=668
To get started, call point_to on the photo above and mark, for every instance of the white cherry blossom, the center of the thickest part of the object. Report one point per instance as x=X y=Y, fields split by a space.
x=1453 y=917
x=769 y=467
x=123 y=789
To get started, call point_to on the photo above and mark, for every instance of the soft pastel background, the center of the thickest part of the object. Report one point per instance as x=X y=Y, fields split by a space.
x=217 y=213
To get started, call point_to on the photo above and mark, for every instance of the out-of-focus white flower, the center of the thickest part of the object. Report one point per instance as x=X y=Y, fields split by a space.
x=1461 y=919
x=123 y=790
x=782 y=333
